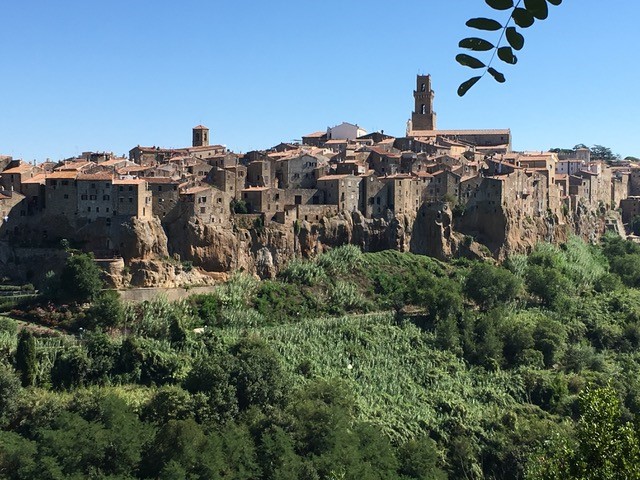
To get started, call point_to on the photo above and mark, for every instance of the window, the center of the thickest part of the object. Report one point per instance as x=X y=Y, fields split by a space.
x=423 y=87
x=83 y=197
x=203 y=209
x=121 y=199
x=106 y=197
x=66 y=196
x=120 y=188
x=65 y=182
x=107 y=209
x=424 y=109
x=130 y=188
x=159 y=188
x=88 y=209
x=93 y=185
x=107 y=185
x=130 y=199
x=93 y=197
x=98 y=209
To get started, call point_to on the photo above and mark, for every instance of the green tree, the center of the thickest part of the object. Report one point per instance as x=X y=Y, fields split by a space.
x=9 y=394
x=80 y=280
x=257 y=374
x=26 y=361
x=182 y=446
x=489 y=286
x=106 y=311
x=17 y=457
x=605 y=446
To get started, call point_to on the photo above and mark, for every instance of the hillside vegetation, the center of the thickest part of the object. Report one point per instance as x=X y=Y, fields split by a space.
x=358 y=366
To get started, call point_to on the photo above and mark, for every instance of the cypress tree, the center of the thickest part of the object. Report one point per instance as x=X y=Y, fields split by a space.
x=26 y=362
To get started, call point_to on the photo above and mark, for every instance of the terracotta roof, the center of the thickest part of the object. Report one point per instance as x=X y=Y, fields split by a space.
x=255 y=189
x=314 y=135
x=161 y=180
x=68 y=175
x=39 y=178
x=193 y=190
x=115 y=161
x=128 y=181
x=336 y=141
x=434 y=133
x=334 y=177
x=204 y=147
x=74 y=166
x=22 y=168
x=95 y=176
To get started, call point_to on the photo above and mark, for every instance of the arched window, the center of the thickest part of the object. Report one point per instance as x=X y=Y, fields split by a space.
x=423 y=87
x=424 y=109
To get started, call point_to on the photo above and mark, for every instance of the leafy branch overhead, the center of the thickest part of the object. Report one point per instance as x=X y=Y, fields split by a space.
x=524 y=13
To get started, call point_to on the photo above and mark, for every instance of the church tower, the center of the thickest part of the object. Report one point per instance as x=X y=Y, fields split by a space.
x=423 y=116
x=200 y=136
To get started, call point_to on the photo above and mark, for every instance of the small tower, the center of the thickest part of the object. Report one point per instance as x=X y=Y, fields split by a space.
x=423 y=116
x=200 y=136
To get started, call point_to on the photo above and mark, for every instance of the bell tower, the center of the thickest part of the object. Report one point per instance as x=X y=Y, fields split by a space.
x=200 y=136
x=423 y=116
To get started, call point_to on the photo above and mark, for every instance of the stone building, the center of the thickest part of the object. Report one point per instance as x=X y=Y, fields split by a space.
x=423 y=116
x=11 y=179
x=207 y=204
x=94 y=195
x=298 y=171
x=341 y=190
x=132 y=198
x=165 y=195
x=61 y=197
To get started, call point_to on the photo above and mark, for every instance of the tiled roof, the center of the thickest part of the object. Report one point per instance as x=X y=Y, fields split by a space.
x=334 y=177
x=128 y=181
x=68 y=175
x=315 y=135
x=161 y=180
x=22 y=168
x=95 y=176
x=39 y=178
x=434 y=133
x=193 y=190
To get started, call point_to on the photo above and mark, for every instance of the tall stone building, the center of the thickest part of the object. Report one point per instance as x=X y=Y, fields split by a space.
x=423 y=116
x=200 y=136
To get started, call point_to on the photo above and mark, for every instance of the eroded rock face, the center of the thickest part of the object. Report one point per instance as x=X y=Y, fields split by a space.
x=189 y=252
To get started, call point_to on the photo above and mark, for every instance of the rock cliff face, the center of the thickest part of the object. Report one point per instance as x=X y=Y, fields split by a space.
x=189 y=252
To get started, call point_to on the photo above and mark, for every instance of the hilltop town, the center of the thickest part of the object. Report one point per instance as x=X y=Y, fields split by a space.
x=439 y=192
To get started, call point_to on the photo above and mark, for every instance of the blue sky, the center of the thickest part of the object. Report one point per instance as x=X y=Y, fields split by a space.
x=87 y=75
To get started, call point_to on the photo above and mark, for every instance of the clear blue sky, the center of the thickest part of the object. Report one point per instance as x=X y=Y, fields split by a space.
x=88 y=75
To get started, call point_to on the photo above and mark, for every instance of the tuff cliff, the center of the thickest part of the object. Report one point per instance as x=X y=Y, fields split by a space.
x=190 y=252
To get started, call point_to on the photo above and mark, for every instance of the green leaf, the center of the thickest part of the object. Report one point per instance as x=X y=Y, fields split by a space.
x=497 y=75
x=465 y=86
x=500 y=4
x=476 y=44
x=537 y=8
x=469 y=61
x=484 y=24
x=555 y=2
x=506 y=55
x=514 y=38
x=522 y=17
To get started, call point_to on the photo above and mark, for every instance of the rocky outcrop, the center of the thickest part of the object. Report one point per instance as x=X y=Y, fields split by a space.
x=190 y=252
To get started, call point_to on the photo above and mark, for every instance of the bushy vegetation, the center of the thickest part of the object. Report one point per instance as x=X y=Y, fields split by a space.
x=370 y=366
